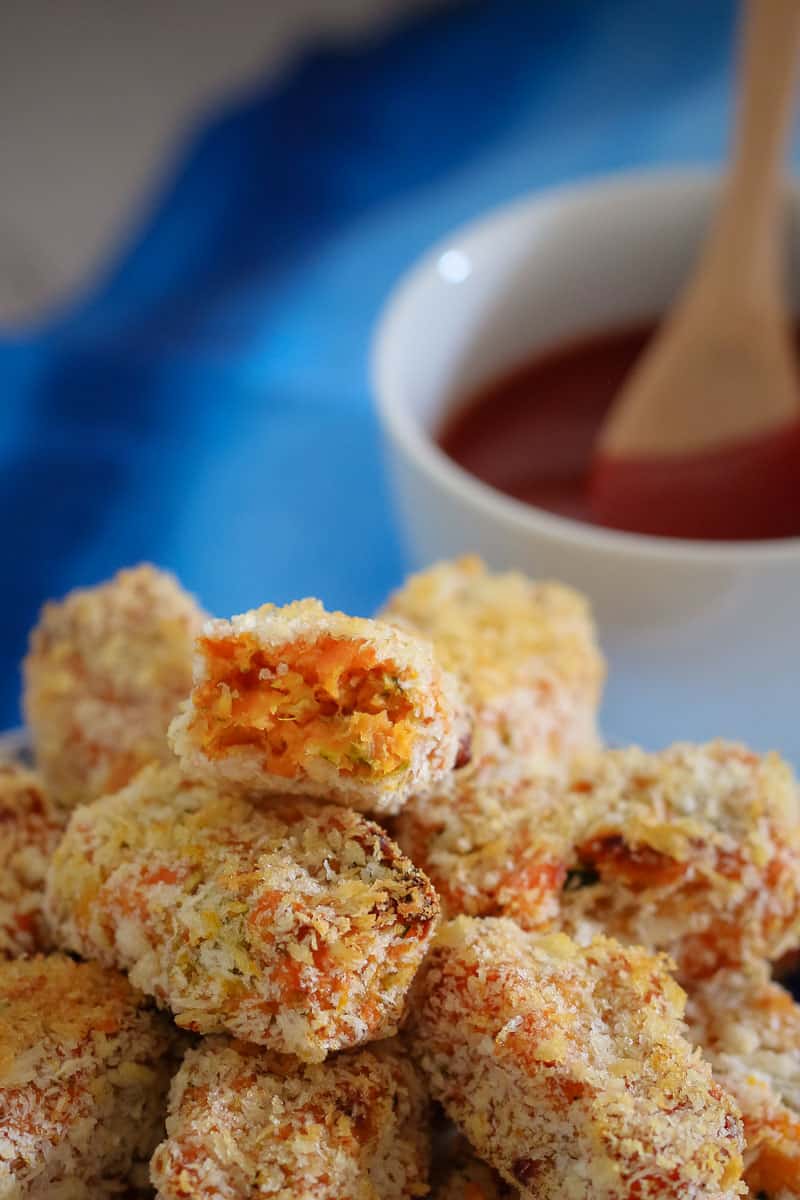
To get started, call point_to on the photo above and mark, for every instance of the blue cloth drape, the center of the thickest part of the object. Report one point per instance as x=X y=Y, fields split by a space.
x=206 y=406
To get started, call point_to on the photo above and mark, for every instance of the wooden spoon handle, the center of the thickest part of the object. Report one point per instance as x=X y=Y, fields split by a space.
x=747 y=235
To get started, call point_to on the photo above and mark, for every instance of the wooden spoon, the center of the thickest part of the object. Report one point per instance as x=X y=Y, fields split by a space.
x=704 y=438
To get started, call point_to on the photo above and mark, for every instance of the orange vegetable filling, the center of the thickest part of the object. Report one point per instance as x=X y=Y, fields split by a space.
x=636 y=866
x=777 y=1164
x=473 y=1191
x=331 y=699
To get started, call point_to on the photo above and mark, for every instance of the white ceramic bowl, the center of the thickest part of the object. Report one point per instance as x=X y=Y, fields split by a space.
x=702 y=638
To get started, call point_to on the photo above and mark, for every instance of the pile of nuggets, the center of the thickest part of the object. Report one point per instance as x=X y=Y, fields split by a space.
x=304 y=906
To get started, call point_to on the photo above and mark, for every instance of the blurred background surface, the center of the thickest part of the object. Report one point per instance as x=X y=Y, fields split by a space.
x=203 y=208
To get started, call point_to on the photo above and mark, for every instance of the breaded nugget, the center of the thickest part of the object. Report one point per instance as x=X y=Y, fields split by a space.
x=30 y=828
x=524 y=652
x=749 y=1030
x=295 y=925
x=694 y=851
x=491 y=843
x=568 y=1070
x=299 y=700
x=84 y=1071
x=105 y=673
x=244 y=1122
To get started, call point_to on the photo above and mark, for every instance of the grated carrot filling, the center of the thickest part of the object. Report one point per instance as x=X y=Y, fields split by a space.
x=540 y=878
x=777 y=1163
x=473 y=1192
x=331 y=698
x=636 y=866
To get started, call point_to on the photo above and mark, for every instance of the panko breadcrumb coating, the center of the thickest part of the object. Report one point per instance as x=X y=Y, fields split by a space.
x=524 y=652
x=568 y=1070
x=491 y=843
x=694 y=851
x=244 y=1122
x=105 y=673
x=296 y=925
x=299 y=700
x=30 y=829
x=84 y=1071
x=749 y=1030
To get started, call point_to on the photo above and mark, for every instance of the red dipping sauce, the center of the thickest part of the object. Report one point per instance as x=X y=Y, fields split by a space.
x=532 y=432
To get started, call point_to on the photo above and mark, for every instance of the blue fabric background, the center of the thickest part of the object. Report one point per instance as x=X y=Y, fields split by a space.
x=207 y=406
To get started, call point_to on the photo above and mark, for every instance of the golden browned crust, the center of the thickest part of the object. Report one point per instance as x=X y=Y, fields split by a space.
x=492 y=843
x=524 y=652
x=568 y=1070
x=749 y=1030
x=694 y=851
x=84 y=1070
x=243 y=1122
x=292 y=924
x=299 y=700
x=30 y=828
x=106 y=670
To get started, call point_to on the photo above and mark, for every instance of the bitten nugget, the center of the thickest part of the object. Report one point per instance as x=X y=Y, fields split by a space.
x=295 y=925
x=105 y=673
x=297 y=699
x=30 y=828
x=244 y=1122
x=524 y=652
x=694 y=851
x=568 y=1070
x=492 y=844
x=749 y=1030
x=84 y=1071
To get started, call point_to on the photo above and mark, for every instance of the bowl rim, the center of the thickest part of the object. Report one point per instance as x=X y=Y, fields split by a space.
x=417 y=445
